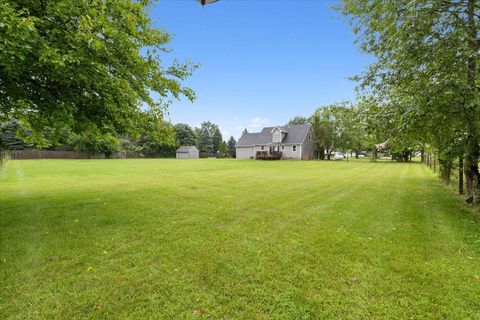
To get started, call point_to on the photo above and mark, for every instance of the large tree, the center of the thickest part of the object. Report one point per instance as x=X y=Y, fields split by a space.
x=231 y=146
x=335 y=128
x=298 y=120
x=205 y=141
x=425 y=75
x=209 y=137
x=10 y=136
x=85 y=64
x=217 y=140
x=185 y=135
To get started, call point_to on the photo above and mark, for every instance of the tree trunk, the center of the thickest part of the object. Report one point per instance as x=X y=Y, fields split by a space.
x=470 y=108
x=448 y=172
x=471 y=170
x=460 y=175
x=329 y=152
x=321 y=153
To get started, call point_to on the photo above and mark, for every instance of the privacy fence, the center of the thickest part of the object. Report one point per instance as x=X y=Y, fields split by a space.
x=47 y=154
x=3 y=157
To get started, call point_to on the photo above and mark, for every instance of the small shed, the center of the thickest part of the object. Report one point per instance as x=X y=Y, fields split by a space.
x=188 y=152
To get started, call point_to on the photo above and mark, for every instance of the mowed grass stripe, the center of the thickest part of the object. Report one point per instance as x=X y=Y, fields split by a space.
x=234 y=239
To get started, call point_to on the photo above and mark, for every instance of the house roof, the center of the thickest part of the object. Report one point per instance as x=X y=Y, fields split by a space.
x=295 y=134
x=186 y=149
x=283 y=129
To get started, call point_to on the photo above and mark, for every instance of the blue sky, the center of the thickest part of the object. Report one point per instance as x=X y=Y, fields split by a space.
x=262 y=61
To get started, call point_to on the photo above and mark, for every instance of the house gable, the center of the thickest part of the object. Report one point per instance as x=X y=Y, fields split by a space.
x=277 y=135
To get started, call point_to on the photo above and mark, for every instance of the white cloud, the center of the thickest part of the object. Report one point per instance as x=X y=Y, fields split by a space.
x=239 y=128
x=258 y=122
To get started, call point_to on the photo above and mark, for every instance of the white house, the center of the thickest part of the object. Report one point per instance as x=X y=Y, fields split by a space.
x=187 y=152
x=293 y=141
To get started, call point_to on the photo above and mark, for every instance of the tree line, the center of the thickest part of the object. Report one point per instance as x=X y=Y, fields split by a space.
x=422 y=90
x=14 y=135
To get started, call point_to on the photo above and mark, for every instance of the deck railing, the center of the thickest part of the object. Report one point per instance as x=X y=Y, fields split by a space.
x=268 y=155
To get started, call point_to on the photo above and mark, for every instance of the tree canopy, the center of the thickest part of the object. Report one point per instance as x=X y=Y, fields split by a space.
x=424 y=80
x=185 y=135
x=85 y=64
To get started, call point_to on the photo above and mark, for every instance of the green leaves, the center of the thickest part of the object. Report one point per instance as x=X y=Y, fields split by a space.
x=418 y=87
x=81 y=63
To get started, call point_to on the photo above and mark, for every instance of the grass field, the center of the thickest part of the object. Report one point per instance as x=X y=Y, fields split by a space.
x=227 y=239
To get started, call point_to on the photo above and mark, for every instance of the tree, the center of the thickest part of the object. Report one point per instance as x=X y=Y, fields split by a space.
x=328 y=124
x=209 y=126
x=160 y=139
x=89 y=65
x=205 y=141
x=339 y=126
x=231 y=146
x=10 y=136
x=424 y=78
x=209 y=137
x=184 y=135
x=223 y=147
x=298 y=120
x=96 y=143
x=217 y=140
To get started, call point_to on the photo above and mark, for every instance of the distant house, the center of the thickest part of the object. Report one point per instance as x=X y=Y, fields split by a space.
x=187 y=152
x=293 y=141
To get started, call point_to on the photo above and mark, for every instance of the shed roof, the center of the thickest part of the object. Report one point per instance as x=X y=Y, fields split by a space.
x=186 y=149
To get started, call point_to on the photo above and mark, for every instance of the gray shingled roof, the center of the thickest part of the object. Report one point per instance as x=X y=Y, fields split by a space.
x=186 y=149
x=295 y=135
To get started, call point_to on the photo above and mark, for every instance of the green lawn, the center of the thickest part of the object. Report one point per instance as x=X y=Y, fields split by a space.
x=233 y=239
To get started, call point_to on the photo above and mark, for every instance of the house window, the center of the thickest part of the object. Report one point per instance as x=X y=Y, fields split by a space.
x=309 y=136
x=262 y=148
x=294 y=148
x=283 y=148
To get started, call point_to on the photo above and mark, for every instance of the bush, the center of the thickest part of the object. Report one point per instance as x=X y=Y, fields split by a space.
x=96 y=144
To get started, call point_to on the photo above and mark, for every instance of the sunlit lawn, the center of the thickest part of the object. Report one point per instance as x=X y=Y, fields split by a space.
x=233 y=239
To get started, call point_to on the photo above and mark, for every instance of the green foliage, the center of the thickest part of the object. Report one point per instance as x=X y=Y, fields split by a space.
x=217 y=140
x=129 y=145
x=337 y=127
x=185 y=135
x=209 y=137
x=231 y=143
x=96 y=143
x=85 y=65
x=159 y=141
x=423 y=83
x=10 y=136
x=298 y=120
x=223 y=148
x=231 y=147
x=205 y=141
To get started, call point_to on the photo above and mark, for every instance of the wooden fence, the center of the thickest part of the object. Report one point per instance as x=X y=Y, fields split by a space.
x=3 y=157
x=48 y=154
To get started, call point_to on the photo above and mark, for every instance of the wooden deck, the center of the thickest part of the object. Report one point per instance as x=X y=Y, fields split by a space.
x=268 y=155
